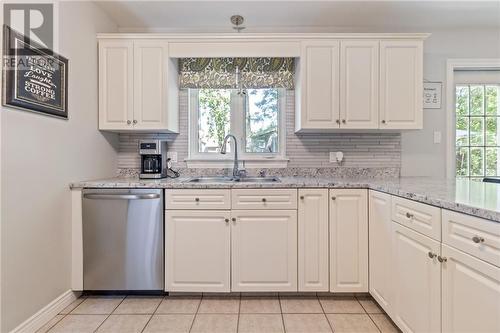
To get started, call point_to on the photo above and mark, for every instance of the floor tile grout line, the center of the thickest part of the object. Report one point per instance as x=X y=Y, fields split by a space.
x=51 y=327
x=151 y=317
x=326 y=317
x=282 y=317
x=239 y=312
x=109 y=315
x=196 y=313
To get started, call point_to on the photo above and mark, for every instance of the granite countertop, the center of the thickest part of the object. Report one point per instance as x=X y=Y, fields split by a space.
x=465 y=196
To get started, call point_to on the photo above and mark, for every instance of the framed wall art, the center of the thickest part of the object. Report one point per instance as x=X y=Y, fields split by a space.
x=34 y=78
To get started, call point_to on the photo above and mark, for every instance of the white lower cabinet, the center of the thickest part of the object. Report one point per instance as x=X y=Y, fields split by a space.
x=313 y=239
x=380 y=249
x=348 y=240
x=416 y=280
x=264 y=250
x=471 y=293
x=197 y=251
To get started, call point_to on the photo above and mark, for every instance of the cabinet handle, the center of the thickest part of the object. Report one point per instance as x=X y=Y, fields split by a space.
x=432 y=255
x=477 y=239
x=383 y=121
x=343 y=121
x=197 y=199
x=227 y=220
x=233 y=219
x=408 y=215
x=301 y=197
x=442 y=259
x=264 y=200
x=135 y=121
x=333 y=198
x=337 y=121
x=129 y=122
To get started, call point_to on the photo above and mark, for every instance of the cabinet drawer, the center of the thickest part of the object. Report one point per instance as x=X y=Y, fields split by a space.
x=197 y=199
x=475 y=236
x=264 y=199
x=417 y=216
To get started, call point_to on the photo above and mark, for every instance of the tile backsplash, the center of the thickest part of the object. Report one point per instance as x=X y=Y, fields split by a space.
x=361 y=150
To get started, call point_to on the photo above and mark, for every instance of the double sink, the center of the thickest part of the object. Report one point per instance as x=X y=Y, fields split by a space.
x=225 y=179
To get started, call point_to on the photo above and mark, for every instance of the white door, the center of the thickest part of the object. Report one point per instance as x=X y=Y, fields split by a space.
x=417 y=281
x=197 y=251
x=380 y=249
x=264 y=250
x=359 y=81
x=313 y=239
x=348 y=240
x=401 y=81
x=319 y=90
x=116 y=78
x=471 y=294
x=150 y=84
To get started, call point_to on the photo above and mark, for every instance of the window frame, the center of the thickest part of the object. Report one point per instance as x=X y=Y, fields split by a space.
x=237 y=125
x=484 y=146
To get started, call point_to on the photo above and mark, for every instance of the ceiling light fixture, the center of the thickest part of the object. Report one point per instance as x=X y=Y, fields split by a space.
x=237 y=21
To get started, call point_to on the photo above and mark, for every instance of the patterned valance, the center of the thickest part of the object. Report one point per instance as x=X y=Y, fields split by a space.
x=220 y=73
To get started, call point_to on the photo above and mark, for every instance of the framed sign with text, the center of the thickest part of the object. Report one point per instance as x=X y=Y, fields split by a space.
x=35 y=78
x=432 y=95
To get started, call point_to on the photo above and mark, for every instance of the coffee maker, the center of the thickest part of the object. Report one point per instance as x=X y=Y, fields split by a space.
x=153 y=159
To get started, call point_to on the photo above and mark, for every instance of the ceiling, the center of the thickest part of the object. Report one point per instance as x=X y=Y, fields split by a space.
x=303 y=16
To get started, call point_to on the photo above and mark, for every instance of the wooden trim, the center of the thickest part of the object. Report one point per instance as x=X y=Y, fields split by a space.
x=48 y=312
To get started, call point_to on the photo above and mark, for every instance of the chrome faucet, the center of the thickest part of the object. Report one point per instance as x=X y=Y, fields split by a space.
x=236 y=172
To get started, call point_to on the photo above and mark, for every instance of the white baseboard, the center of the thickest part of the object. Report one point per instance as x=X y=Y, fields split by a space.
x=43 y=316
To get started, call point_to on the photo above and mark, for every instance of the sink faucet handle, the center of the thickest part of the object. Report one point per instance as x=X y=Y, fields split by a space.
x=262 y=173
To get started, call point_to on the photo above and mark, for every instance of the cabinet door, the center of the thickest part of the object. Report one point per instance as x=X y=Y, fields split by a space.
x=115 y=84
x=359 y=65
x=313 y=239
x=150 y=82
x=417 y=281
x=471 y=293
x=380 y=249
x=197 y=245
x=264 y=250
x=348 y=240
x=401 y=84
x=319 y=90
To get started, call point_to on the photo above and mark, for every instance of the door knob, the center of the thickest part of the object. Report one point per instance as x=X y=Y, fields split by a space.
x=432 y=255
x=442 y=259
x=383 y=121
x=227 y=220
x=197 y=199
x=233 y=219
x=301 y=197
x=264 y=200
x=333 y=198
x=337 y=121
x=129 y=122
x=408 y=215
x=135 y=121
x=343 y=121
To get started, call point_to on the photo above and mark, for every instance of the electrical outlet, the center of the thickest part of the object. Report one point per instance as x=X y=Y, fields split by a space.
x=172 y=155
x=437 y=137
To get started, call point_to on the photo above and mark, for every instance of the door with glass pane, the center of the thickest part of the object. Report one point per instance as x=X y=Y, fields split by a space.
x=477 y=130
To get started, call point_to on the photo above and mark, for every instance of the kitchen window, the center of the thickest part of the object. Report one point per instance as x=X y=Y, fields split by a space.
x=254 y=116
x=477 y=128
x=240 y=96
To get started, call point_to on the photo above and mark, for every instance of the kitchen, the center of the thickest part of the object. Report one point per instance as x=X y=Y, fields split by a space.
x=316 y=166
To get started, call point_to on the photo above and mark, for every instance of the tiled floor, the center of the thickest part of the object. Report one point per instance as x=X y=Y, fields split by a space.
x=219 y=314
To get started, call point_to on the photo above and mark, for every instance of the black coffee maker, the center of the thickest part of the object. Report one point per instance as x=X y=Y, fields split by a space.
x=153 y=159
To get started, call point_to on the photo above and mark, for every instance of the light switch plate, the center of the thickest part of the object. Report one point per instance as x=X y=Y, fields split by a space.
x=437 y=137
x=172 y=155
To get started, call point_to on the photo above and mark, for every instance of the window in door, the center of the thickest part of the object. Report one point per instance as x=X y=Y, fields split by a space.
x=477 y=128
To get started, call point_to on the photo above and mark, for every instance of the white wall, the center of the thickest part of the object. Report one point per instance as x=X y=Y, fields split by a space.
x=40 y=156
x=420 y=156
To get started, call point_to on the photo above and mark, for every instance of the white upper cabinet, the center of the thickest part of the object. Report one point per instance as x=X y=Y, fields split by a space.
x=137 y=86
x=359 y=84
x=317 y=93
x=401 y=84
x=116 y=80
x=348 y=240
x=359 y=66
x=313 y=239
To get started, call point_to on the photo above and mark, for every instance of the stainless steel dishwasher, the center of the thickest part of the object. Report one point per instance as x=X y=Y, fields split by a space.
x=123 y=240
